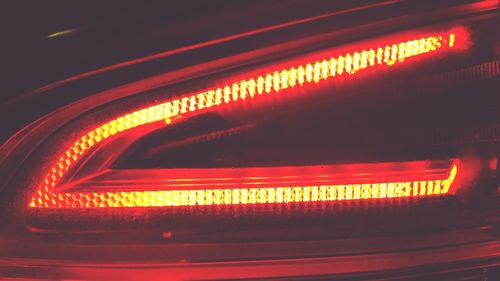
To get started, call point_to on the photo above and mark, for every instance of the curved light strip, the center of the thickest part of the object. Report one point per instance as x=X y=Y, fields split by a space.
x=244 y=90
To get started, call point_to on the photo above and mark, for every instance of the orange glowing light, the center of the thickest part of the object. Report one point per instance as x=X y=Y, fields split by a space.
x=393 y=180
x=273 y=82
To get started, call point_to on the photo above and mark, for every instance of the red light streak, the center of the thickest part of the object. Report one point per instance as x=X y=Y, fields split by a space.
x=256 y=87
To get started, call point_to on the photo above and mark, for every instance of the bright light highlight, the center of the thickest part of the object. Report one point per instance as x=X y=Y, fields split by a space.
x=252 y=88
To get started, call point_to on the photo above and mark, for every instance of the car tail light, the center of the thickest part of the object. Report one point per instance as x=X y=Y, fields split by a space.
x=359 y=134
x=386 y=53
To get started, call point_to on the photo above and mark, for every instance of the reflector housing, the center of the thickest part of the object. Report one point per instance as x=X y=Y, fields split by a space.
x=382 y=117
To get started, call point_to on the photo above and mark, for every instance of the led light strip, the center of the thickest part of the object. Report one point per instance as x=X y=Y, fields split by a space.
x=438 y=185
x=269 y=83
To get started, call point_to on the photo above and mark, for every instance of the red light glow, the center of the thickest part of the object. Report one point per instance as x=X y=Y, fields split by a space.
x=275 y=185
x=388 y=53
